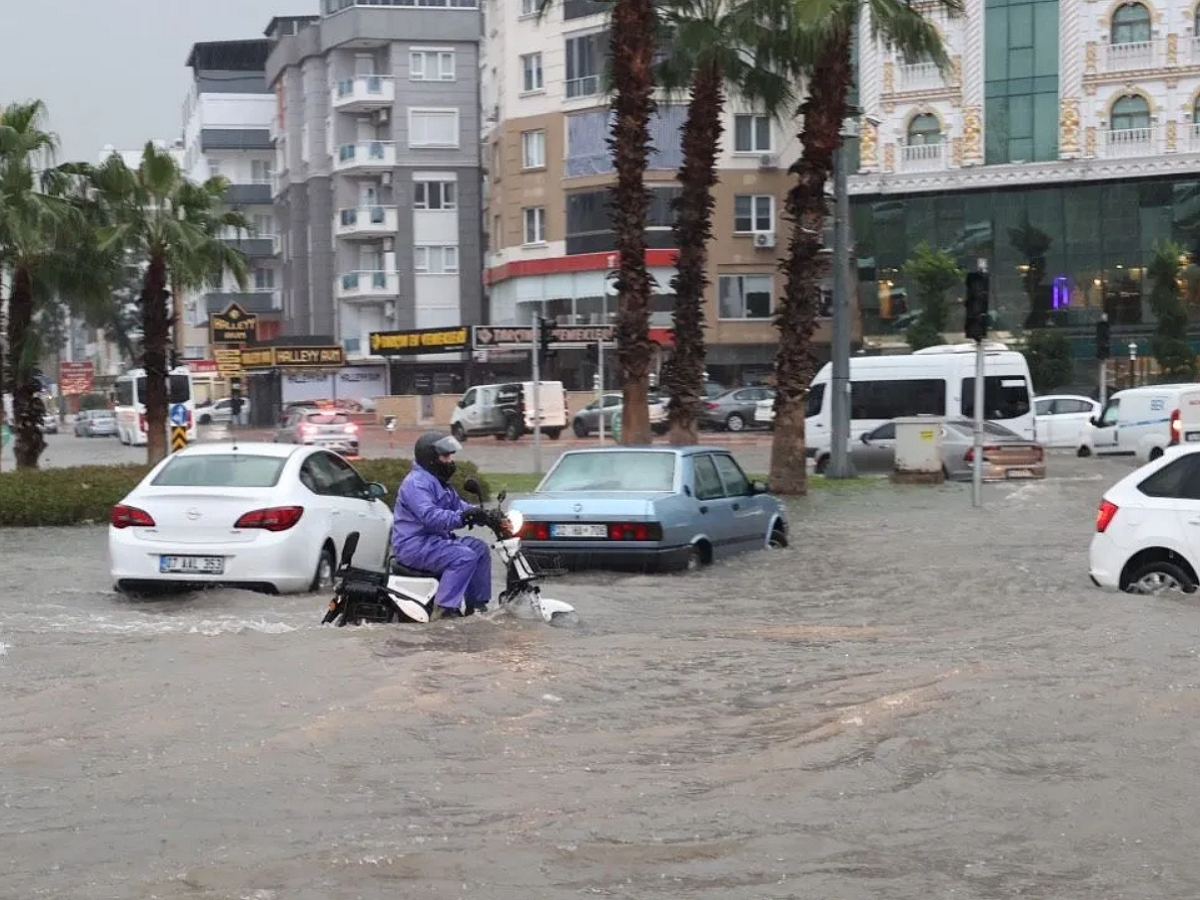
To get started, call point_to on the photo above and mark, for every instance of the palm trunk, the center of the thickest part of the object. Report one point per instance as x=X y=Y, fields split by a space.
x=28 y=409
x=633 y=27
x=823 y=112
x=155 y=341
x=684 y=376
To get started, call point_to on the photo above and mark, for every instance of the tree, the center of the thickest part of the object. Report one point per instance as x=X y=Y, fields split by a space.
x=932 y=273
x=1176 y=359
x=176 y=227
x=707 y=57
x=1048 y=353
x=815 y=36
x=633 y=28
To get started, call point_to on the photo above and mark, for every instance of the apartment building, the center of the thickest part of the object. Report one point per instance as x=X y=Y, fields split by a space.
x=378 y=192
x=1062 y=145
x=549 y=170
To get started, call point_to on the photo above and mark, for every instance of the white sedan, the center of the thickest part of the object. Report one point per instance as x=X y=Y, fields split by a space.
x=270 y=517
x=1063 y=419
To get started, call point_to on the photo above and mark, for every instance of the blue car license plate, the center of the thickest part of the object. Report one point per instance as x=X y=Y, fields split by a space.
x=579 y=530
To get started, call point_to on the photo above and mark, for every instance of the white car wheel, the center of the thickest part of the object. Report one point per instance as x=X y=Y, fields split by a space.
x=323 y=576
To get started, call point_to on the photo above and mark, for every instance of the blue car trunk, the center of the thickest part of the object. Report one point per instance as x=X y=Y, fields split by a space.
x=593 y=506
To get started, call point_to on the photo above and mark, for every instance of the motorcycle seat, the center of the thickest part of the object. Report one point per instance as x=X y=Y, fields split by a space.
x=409 y=572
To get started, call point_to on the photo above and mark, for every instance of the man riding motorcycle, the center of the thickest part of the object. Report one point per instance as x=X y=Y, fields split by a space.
x=428 y=512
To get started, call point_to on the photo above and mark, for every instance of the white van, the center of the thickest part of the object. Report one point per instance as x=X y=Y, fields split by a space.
x=1145 y=421
x=506 y=410
x=936 y=381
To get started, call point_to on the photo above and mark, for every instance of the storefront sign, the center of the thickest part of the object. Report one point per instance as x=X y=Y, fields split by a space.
x=494 y=336
x=423 y=340
x=234 y=326
x=202 y=366
x=229 y=362
x=76 y=377
x=292 y=357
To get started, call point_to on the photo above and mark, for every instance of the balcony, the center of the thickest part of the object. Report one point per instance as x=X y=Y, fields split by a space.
x=364 y=93
x=1130 y=142
x=366 y=158
x=258 y=246
x=1133 y=57
x=254 y=194
x=366 y=222
x=587 y=86
x=924 y=76
x=368 y=286
x=923 y=157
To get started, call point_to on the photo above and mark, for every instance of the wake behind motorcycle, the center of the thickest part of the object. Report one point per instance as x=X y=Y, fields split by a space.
x=406 y=595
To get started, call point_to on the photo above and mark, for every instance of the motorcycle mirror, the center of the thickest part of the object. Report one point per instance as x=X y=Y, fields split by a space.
x=348 y=550
x=471 y=486
x=500 y=498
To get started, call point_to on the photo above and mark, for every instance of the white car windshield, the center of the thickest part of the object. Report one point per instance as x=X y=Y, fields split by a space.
x=621 y=470
x=221 y=470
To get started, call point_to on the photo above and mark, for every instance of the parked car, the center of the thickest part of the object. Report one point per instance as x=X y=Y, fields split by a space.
x=320 y=427
x=1144 y=421
x=648 y=509
x=1064 y=419
x=96 y=423
x=734 y=410
x=49 y=423
x=265 y=517
x=587 y=420
x=1146 y=539
x=221 y=412
x=1006 y=454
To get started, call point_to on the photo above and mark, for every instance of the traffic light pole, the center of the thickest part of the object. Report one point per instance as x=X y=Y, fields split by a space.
x=535 y=351
x=840 y=465
x=977 y=459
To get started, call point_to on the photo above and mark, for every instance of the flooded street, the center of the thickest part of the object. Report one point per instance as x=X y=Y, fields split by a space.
x=917 y=700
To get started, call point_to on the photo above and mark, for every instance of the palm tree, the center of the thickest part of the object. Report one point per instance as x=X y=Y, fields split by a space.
x=711 y=52
x=176 y=227
x=816 y=37
x=38 y=224
x=633 y=26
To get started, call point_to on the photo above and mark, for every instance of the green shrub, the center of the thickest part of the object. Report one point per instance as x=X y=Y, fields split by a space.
x=84 y=495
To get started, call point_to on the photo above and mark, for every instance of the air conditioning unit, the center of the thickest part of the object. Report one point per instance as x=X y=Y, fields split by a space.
x=385 y=178
x=764 y=240
x=768 y=161
x=382 y=116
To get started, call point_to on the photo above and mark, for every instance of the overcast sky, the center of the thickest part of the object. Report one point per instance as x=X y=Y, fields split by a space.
x=112 y=71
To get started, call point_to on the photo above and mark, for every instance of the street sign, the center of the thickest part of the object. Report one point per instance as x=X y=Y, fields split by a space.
x=76 y=377
x=421 y=340
x=229 y=362
x=178 y=437
x=178 y=414
x=233 y=326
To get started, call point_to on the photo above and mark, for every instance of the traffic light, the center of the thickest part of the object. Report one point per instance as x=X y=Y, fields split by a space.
x=545 y=338
x=1103 y=339
x=976 y=306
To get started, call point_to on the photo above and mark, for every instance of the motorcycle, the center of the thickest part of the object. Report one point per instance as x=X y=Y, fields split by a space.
x=406 y=595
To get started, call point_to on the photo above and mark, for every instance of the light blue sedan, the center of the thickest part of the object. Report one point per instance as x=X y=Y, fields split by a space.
x=648 y=509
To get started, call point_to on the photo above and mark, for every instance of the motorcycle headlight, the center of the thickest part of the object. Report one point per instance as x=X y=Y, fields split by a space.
x=516 y=519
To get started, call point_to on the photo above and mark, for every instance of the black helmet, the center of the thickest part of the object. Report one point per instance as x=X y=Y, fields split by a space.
x=430 y=446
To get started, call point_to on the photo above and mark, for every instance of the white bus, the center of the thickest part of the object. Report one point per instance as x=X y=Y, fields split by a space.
x=936 y=381
x=131 y=403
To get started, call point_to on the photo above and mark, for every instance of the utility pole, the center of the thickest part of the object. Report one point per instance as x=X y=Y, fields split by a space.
x=535 y=353
x=1103 y=351
x=600 y=386
x=840 y=465
x=976 y=326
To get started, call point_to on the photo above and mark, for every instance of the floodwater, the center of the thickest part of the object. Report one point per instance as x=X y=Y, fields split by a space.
x=917 y=700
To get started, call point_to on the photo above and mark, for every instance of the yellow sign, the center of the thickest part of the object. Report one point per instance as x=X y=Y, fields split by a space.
x=229 y=362
x=424 y=340
x=927 y=435
x=257 y=358
x=234 y=326
x=292 y=357
x=178 y=437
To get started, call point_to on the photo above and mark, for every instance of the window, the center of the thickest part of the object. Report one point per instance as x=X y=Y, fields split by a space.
x=435 y=195
x=746 y=296
x=1179 y=480
x=924 y=129
x=264 y=279
x=433 y=128
x=889 y=399
x=221 y=470
x=264 y=224
x=585 y=61
x=615 y=470
x=533 y=149
x=535 y=225
x=816 y=397
x=886 y=432
x=529 y=7
x=261 y=171
x=735 y=480
x=753 y=213
x=1131 y=24
x=435 y=260
x=214 y=168
x=1129 y=113
x=431 y=65
x=1003 y=398
x=531 y=72
x=330 y=475
x=1111 y=410
x=707 y=482
x=1021 y=66
x=1043 y=408
x=752 y=134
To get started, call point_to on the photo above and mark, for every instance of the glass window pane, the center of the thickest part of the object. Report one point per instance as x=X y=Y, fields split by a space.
x=762 y=130
x=1020 y=26
x=741 y=134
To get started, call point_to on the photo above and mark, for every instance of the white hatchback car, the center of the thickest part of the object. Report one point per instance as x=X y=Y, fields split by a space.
x=1064 y=420
x=1147 y=537
x=262 y=516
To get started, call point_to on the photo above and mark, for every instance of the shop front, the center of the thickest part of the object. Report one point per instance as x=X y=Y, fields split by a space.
x=306 y=368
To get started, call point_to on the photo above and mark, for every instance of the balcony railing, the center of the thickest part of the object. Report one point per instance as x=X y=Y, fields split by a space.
x=367 y=221
x=370 y=155
x=1124 y=142
x=1133 y=56
x=367 y=285
x=923 y=157
x=922 y=76
x=364 y=92
x=583 y=87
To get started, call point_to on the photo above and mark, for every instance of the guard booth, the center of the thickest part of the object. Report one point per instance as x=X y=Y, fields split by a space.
x=265 y=363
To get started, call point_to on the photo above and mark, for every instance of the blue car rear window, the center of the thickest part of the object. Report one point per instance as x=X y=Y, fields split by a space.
x=624 y=470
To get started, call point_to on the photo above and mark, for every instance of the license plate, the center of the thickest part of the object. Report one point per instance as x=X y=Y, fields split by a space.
x=579 y=531
x=198 y=565
x=1018 y=473
x=1192 y=436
